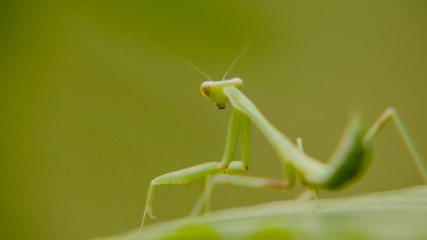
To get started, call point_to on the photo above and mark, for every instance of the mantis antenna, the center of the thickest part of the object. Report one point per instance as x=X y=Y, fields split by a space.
x=226 y=72
x=194 y=67
x=235 y=60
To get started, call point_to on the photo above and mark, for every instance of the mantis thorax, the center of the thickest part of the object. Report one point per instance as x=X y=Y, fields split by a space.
x=214 y=90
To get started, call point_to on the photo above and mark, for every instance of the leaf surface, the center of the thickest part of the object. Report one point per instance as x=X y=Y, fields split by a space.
x=397 y=214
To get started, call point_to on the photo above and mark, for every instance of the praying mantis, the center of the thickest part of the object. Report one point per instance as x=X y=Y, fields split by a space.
x=349 y=162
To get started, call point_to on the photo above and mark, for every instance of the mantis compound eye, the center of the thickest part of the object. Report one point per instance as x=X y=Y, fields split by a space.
x=214 y=90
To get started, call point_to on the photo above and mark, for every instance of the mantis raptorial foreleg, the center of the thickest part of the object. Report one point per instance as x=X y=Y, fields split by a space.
x=213 y=173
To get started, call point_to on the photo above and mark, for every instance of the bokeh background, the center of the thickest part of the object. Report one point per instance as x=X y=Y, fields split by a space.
x=94 y=102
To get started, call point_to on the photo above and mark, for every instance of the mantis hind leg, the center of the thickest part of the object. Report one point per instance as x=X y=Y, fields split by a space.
x=236 y=180
x=392 y=113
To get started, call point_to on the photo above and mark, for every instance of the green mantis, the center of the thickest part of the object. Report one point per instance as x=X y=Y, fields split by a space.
x=349 y=162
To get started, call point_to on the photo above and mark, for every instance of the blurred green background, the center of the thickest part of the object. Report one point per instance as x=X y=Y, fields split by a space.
x=94 y=102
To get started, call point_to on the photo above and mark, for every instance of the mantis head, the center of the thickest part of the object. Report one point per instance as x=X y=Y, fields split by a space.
x=214 y=90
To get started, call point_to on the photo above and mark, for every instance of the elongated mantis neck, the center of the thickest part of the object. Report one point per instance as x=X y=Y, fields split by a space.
x=283 y=146
x=221 y=92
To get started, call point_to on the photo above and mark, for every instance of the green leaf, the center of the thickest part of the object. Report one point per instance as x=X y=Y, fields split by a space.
x=398 y=214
